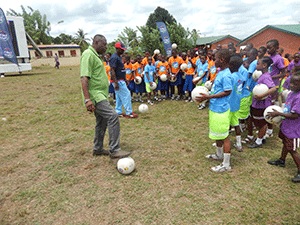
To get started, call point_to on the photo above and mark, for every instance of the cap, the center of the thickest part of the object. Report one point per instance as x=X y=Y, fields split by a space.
x=120 y=45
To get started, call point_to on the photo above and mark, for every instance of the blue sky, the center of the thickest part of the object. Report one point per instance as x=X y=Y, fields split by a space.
x=210 y=18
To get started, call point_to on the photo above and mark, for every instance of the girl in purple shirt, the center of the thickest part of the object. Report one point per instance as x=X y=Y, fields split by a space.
x=259 y=104
x=290 y=126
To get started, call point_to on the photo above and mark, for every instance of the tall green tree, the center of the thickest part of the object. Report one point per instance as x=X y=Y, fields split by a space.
x=81 y=39
x=36 y=24
x=131 y=40
x=63 y=38
x=159 y=15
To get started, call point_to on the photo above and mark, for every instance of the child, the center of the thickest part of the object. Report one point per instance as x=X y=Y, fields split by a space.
x=148 y=77
x=211 y=67
x=290 y=126
x=129 y=75
x=111 y=89
x=219 y=111
x=174 y=64
x=261 y=52
x=258 y=104
x=190 y=73
x=163 y=68
x=139 y=88
x=202 y=70
x=238 y=80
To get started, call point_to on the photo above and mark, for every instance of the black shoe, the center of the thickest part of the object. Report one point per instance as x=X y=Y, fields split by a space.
x=278 y=162
x=264 y=141
x=100 y=152
x=119 y=154
x=296 y=179
x=254 y=145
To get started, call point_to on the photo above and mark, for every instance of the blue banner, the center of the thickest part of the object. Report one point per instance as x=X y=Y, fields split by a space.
x=6 y=45
x=165 y=37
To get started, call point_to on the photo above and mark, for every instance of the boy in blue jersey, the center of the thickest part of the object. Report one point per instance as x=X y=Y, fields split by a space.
x=219 y=110
x=202 y=70
x=149 y=79
x=235 y=97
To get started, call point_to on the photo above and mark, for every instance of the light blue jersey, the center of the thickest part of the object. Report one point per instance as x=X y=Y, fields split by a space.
x=201 y=69
x=150 y=69
x=236 y=93
x=222 y=82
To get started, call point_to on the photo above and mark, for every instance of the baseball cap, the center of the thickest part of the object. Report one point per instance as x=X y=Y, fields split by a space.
x=120 y=45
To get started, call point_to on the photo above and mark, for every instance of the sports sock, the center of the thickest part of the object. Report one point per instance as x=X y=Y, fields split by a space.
x=269 y=131
x=219 y=152
x=258 y=141
x=238 y=140
x=226 y=160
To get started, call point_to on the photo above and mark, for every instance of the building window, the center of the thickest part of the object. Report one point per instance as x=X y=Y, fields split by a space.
x=73 y=53
x=36 y=54
x=61 y=53
x=49 y=54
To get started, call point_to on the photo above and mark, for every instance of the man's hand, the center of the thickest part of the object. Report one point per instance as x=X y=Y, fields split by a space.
x=90 y=106
x=116 y=86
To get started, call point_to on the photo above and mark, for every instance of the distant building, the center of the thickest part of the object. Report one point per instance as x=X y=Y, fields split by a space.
x=213 y=41
x=69 y=54
x=287 y=35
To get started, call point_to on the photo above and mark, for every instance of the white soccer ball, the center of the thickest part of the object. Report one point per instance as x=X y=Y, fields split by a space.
x=153 y=86
x=174 y=46
x=256 y=74
x=197 y=91
x=183 y=75
x=276 y=119
x=163 y=77
x=173 y=78
x=137 y=80
x=156 y=51
x=143 y=108
x=260 y=89
x=285 y=94
x=2 y=76
x=126 y=165
x=197 y=80
x=208 y=84
x=183 y=67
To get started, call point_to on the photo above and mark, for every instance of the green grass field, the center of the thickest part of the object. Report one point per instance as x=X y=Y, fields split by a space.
x=49 y=176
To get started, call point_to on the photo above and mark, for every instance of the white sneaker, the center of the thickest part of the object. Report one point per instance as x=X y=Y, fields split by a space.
x=220 y=168
x=268 y=135
x=214 y=156
x=238 y=148
x=150 y=103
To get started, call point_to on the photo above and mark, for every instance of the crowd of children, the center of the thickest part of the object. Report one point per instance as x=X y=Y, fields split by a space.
x=231 y=101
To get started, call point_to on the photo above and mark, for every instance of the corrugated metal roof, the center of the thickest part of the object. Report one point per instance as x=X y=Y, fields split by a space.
x=293 y=29
x=55 y=46
x=213 y=39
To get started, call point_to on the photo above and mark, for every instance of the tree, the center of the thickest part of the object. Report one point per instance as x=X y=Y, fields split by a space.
x=36 y=24
x=159 y=15
x=81 y=39
x=63 y=38
x=130 y=39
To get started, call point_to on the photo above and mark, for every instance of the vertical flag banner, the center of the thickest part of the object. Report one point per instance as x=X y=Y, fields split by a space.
x=165 y=37
x=6 y=45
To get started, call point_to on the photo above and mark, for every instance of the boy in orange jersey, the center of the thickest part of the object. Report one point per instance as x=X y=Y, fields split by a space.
x=188 y=85
x=162 y=67
x=212 y=69
x=174 y=63
x=129 y=75
x=139 y=88
x=111 y=89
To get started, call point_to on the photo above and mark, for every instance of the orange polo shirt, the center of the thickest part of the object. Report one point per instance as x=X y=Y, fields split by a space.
x=162 y=68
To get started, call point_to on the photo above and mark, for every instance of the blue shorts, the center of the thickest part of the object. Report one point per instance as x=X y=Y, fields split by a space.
x=188 y=85
x=178 y=81
x=163 y=86
x=131 y=85
x=111 y=88
x=140 y=88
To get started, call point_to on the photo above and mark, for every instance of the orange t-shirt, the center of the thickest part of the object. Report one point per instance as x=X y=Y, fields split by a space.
x=162 y=68
x=104 y=63
x=175 y=63
x=191 y=70
x=107 y=69
x=138 y=69
x=212 y=70
x=286 y=61
x=128 y=71
x=145 y=61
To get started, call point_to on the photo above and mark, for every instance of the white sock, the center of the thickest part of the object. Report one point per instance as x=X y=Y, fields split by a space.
x=251 y=137
x=226 y=160
x=258 y=141
x=219 y=152
x=269 y=131
x=238 y=140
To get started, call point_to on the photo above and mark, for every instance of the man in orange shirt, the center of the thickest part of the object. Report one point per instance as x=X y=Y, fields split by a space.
x=174 y=64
